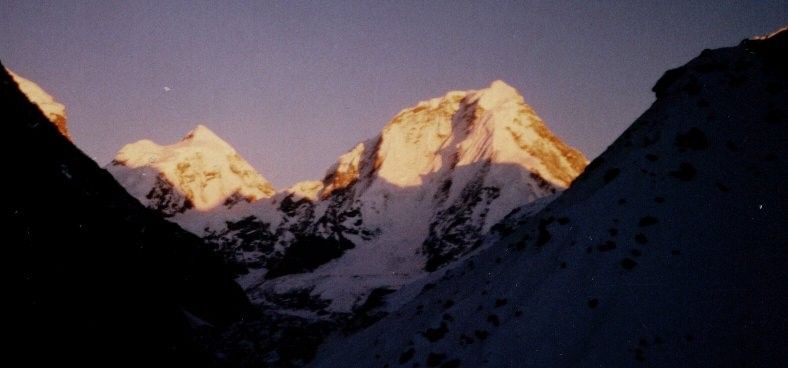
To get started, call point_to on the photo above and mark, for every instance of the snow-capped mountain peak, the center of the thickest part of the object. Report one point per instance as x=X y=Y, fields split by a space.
x=52 y=109
x=498 y=93
x=461 y=128
x=201 y=133
x=200 y=171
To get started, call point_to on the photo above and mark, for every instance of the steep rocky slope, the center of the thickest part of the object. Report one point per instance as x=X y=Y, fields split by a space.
x=670 y=250
x=95 y=278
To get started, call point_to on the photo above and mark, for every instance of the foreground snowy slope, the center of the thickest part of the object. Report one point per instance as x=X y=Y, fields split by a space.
x=668 y=251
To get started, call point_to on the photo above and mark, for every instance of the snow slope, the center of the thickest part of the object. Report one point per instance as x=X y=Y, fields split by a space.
x=668 y=251
x=53 y=110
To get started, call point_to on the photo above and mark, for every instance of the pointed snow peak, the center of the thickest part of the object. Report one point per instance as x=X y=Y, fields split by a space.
x=201 y=133
x=498 y=93
x=202 y=136
x=202 y=169
x=501 y=86
x=463 y=128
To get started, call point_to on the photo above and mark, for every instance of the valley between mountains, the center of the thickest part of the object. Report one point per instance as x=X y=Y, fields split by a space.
x=420 y=195
x=465 y=234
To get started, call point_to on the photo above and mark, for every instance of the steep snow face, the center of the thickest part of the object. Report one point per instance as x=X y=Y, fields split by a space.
x=53 y=110
x=460 y=129
x=201 y=172
x=669 y=250
x=434 y=153
x=414 y=198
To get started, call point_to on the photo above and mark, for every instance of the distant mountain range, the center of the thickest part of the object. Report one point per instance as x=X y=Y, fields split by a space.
x=419 y=195
x=319 y=255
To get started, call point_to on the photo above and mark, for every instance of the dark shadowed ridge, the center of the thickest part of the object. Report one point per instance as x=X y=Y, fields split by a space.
x=668 y=251
x=95 y=278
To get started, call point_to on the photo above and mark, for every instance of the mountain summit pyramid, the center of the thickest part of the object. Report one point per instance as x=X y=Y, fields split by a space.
x=201 y=171
x=462 y=128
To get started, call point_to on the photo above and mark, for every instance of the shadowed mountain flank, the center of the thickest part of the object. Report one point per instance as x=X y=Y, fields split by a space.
x=669 y=250
x=96 y=279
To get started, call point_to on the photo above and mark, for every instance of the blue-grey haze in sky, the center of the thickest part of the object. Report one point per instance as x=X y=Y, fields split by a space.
x=292 y=85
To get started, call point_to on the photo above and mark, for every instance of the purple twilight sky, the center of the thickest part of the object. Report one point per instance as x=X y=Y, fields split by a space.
x=292 y=85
